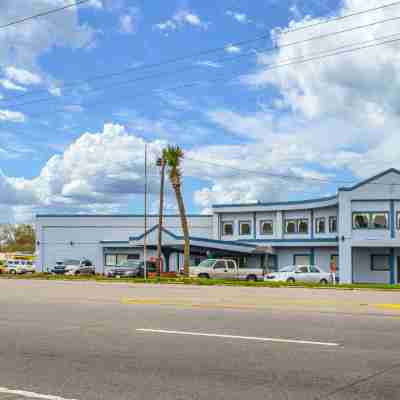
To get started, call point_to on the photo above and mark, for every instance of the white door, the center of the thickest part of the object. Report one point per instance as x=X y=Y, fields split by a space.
x=220 y=269
x=302 y=274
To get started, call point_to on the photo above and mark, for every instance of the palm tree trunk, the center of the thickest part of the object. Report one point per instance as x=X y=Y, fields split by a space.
x=160 y=218
x=185 y=227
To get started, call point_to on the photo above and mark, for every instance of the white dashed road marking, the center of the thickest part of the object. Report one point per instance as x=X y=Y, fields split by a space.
x=31 y=395
x=260 y=339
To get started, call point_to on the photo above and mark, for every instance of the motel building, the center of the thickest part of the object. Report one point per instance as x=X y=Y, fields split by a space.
x=357 y=230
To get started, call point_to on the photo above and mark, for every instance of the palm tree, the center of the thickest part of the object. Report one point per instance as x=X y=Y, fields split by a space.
x=173 y=156
x=162 y=164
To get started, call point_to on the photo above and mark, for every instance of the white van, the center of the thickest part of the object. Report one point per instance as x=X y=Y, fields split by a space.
x=19 y=267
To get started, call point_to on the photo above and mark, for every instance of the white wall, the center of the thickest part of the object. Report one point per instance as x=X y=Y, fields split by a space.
x=362 y=266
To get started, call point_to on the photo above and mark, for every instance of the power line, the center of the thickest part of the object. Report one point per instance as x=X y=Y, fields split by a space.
x=218 y=49
x=183 y=69
x=223 y=77
x=286 y=176
x=43 y=14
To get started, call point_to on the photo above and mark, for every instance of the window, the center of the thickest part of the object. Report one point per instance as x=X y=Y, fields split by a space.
x=111 y=259
x=290 y=226
x=360 y=221
x=315 y=270
x=303 y=226
x=379 y=220
x=133 y=256
x=370 y=220
x=332 y=224
x=231 y=264
x=380 y=262
x=302 y=259
x=266 y=227
x=302 y=270
x=320 y=225
x=272 y=263
x=244 y=228
x=219 y=264
x=227 y=228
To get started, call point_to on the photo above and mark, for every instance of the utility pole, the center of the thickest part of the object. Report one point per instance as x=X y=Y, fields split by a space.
x=145 y=213
x=160 y=163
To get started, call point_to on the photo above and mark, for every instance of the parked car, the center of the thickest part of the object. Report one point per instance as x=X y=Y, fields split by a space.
x=225 y=269
x=130 y=269
x=300 y=273
x=19 y=267
x=74 y=267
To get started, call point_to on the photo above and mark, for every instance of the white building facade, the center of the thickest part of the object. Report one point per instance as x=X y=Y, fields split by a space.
x=357 y=231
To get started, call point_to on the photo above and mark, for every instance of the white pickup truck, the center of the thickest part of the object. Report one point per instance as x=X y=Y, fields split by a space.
x=225 y=269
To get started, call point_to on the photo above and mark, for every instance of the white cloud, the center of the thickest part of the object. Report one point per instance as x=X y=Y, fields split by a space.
x=74 y=108
x=55 y=91
x=22 y=76
x=239 y=17
x=233 y=49
x=128 y=22
x=7 y=84
x=12 y=116
x=208 y=63
x=21 y=47
x=181 y=18
x=97 y=169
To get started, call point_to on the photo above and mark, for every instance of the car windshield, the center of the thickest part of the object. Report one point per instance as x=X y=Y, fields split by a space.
x=206 y=263
x=72 y=262
x=289 y=268
x=130 y=264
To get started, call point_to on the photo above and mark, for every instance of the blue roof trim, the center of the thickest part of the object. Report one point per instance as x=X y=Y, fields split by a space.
x=116 y=215
x=366 y=181
x=279 y=203
x=194 y=238
x=333 y=240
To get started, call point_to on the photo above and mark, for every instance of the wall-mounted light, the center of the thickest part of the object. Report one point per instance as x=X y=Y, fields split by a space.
x=342 y=238
x=71 y=243
x=38 y=243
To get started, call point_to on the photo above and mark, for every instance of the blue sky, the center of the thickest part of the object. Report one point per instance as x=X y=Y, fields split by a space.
x=67 y=145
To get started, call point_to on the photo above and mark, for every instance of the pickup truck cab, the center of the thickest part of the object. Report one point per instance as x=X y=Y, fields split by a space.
x=225 y=269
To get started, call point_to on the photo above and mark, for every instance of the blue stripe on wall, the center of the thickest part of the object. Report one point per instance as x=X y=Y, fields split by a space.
x=392 y=220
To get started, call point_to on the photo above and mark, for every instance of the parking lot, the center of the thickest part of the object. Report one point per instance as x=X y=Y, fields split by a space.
x=87 y=340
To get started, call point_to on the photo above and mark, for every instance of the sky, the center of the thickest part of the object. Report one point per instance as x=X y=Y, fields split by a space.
x=83 y=90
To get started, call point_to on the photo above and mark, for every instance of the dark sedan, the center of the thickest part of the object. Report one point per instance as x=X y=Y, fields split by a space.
x=129 y=269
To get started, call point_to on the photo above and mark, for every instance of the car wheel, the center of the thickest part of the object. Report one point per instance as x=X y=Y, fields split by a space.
x=204 y=276
x=323 y=282
x=13 y=272
x=251 y=278
x=77 y=273
x=290 y=280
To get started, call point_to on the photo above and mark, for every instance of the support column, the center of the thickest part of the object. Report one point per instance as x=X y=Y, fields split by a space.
x=345 y=262
x=391 y=266
x=312 y=256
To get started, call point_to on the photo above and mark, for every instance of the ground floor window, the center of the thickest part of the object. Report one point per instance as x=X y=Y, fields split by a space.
x=111 y=260
x=272 y=263
x=380 y=262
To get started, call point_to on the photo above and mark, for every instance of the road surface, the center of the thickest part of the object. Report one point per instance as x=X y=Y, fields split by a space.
x=87 y=340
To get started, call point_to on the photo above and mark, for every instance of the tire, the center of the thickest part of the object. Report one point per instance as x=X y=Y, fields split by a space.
x=251 y=278
x=77 y=273
x=323 y=282
x=13 y=272
x=204 y=276
x=290 y=280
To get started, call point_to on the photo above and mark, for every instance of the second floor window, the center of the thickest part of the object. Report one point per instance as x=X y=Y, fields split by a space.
x=244 y=228
x=332 y=224
x=303 y=226
x=266 y=227
x=290 y=226
x=320 y=225
x=370 y=220
x=227 y=228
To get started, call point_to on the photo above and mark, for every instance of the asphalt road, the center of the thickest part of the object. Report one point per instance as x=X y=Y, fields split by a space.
x=88 y=341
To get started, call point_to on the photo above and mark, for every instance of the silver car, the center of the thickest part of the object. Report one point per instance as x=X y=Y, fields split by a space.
x=300 y=273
